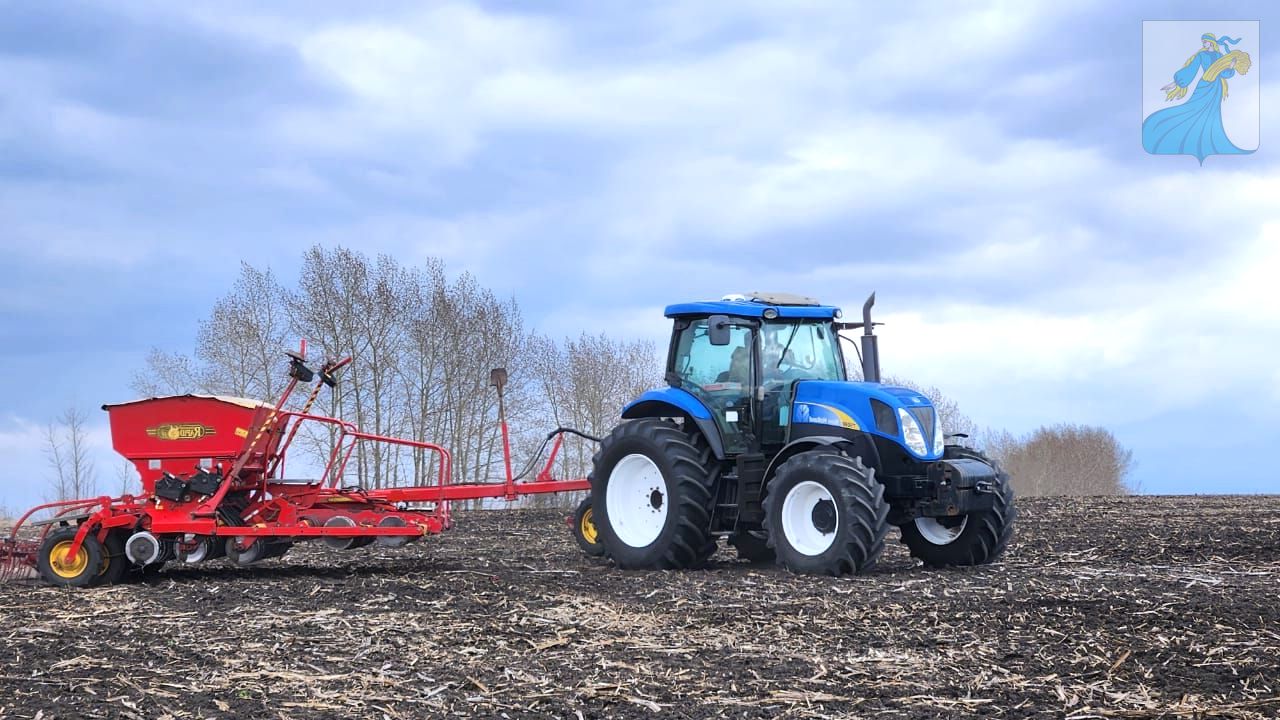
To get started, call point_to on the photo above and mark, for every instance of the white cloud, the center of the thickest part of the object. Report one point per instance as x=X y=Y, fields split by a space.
x=1161 y=344
x=686 y=151
x=415 y=76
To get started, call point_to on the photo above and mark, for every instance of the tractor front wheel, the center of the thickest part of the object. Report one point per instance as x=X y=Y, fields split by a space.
x=973 y=539
x=825 y=513
x=59 y=567
x=651 y=496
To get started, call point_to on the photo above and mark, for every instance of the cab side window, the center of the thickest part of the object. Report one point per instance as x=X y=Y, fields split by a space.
x=720 y=376
x=700 y=363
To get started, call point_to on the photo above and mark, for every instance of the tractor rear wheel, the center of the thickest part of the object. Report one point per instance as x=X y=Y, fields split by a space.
x=651 y=496
x=584 y=529
x=825 y=513
x=973 y=539
x=58 y=567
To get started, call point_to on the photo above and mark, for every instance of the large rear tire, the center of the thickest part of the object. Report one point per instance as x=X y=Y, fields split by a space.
x=825 y=513
x=977 y=538
x=651 y=496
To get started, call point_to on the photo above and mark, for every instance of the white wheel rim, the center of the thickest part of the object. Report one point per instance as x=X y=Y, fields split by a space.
x=937 y=533
x=637 y=501
x=808 y=529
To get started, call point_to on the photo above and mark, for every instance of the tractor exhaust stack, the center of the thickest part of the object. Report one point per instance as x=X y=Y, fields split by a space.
x=870 y=344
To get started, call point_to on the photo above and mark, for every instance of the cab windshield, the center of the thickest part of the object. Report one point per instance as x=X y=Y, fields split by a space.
x=791 y=350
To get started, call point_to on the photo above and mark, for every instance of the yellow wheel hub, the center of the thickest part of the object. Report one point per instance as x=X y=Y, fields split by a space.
x=587 y=527
x=64 y=564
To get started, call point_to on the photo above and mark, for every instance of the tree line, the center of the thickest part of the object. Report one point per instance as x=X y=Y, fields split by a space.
x=423 y=344
x=1061 y=459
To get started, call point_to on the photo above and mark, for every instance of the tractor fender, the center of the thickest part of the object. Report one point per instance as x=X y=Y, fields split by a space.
x=855 y=444
x=673 y=402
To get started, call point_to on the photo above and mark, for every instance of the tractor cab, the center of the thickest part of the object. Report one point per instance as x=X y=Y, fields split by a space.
x=760 y=372
x=743 y=357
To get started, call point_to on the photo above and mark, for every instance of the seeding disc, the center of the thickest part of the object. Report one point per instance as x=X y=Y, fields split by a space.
x=253 y=554
x=394 y=541
x=340 y=543
x=194 y=552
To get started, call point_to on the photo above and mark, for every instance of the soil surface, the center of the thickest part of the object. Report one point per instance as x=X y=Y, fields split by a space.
x=1104 y=607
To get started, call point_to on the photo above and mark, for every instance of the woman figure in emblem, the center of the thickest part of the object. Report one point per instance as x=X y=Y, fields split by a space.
x=1195 y=126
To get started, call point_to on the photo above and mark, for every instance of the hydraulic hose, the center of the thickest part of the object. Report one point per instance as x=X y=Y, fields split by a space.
x=542 y=448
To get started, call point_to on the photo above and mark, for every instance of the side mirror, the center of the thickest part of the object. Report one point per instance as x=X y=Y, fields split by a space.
x=718 y=329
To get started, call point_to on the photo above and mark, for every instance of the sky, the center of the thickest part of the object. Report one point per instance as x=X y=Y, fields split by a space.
x=978 y=165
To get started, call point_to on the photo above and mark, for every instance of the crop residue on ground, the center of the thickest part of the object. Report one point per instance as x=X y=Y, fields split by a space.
x=1110 y=607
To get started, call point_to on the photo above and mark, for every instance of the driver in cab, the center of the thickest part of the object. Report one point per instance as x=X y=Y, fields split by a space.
x=739 y=368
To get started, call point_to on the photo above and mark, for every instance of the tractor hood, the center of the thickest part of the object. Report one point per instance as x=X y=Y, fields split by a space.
x=892 y=412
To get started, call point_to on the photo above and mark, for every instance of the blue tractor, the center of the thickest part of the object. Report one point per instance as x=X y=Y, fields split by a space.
x=760 y=437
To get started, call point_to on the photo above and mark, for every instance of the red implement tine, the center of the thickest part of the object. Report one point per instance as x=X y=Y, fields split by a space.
x=15 y=558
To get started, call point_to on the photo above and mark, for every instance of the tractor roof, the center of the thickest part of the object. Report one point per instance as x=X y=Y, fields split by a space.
x=754 y=304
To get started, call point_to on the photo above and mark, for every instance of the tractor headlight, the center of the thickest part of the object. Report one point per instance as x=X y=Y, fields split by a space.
x=939 y=437
x=911 y=433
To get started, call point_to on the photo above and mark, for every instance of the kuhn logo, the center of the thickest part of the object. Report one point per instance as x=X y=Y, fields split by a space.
x=180 y=431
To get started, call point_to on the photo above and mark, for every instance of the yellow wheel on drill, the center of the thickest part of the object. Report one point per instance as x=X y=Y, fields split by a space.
x=59 y=566
x=584 y=530
x=65 y=565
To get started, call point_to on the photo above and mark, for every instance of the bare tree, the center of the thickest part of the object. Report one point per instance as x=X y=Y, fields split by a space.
x=1065 y=459
x=127 y=479
x=67 y=451
x=239 y=346
x=423 y=345
x=586 y=382
x=166 y=373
